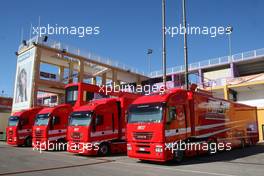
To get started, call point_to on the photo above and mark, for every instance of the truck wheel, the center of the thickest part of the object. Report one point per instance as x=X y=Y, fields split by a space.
x=251 y=143
x=28 y=142
x=178 y=156
x=103 y=149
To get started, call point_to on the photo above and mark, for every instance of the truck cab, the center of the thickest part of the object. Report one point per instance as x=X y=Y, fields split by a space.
x=155 y=120
x=98 y=128
x=19 y=130
x=51 y=123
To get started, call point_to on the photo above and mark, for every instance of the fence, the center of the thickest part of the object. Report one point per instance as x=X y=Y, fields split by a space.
x=213 y=62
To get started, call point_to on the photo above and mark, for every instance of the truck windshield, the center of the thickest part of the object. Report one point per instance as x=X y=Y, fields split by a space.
x=42 y=119
x=80 y=119
x=71 y=94
x=13 y=121
x=145 y=113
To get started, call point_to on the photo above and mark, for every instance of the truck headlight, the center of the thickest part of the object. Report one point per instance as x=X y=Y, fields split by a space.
x=15 y=139
x=158 y=149
x=129 y=147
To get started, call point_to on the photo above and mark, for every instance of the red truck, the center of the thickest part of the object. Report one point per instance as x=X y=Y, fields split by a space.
x=51 y=123
x=19 y=130
x=180 y=123
x=98 y=128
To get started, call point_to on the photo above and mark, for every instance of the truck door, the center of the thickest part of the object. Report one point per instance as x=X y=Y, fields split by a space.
x=23 y=129
x=104 y=127
x=98 y=127
x=55 y=131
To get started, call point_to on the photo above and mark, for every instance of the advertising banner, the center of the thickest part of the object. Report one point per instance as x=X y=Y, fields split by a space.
x=23 y=81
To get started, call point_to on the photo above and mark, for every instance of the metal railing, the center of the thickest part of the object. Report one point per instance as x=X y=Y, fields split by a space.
x=177 y=69
x=213 y=62
x=80 y=52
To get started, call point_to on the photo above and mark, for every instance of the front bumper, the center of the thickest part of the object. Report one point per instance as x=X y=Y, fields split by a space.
x=148 y=151
x=15 y=141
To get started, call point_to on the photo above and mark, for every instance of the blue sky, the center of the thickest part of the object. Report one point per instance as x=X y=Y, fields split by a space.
x=129 y=27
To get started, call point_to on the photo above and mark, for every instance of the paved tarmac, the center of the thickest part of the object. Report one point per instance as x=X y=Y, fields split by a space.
x=24 y=161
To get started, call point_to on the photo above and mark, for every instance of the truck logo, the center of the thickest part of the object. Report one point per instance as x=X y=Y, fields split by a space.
x=141 y=127
x=141 y=149
x=76 y=129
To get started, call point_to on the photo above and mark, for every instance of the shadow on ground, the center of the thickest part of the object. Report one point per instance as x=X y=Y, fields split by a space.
x=227 y=156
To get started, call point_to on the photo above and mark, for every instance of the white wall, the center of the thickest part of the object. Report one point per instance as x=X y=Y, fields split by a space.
x=3 y=121
x=217 y=74
x=253 y=97
x=219 y=94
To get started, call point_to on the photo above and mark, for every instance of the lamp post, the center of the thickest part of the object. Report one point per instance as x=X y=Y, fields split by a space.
x=185 y=45
x=149 y=52
x=163 y=44
x=229 y=31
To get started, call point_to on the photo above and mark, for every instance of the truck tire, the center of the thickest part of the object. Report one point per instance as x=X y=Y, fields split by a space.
x=64 y=144
x=243 y=143
x=178 y=156
x=28 y=142
x=104 y=149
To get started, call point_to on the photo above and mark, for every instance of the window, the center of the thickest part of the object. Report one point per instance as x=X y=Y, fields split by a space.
x=171 y=114
x=24 y=121
x=100 y=96
x=99 y=120
x=89 y=96
x=80 y=119
x=56 y=120
x=145 y=113
x=42 y=119
x=71 y=94
x=13 y=121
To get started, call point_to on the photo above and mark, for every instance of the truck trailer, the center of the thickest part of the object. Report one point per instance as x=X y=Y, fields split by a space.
x=178 y=123
x=51 y=123
x=99 y=127
x=19 y=130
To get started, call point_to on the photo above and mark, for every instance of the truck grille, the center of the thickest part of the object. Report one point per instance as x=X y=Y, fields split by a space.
x=143 y=135
x=39 y=134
